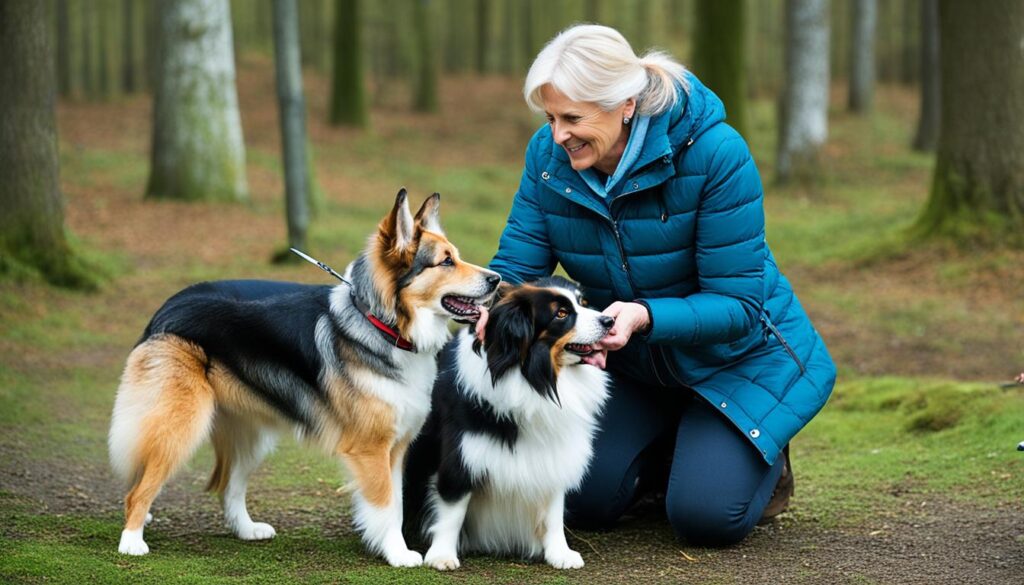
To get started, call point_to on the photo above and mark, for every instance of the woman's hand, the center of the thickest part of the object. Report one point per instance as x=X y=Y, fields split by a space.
x=629 y=318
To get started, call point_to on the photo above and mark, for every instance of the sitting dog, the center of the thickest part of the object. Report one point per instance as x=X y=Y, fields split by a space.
x=349 y=368
x=510 y=430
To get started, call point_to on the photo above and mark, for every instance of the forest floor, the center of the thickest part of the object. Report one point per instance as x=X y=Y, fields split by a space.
x=909 y=475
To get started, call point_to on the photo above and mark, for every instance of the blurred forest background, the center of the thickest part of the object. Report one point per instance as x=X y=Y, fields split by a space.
x=149 y=145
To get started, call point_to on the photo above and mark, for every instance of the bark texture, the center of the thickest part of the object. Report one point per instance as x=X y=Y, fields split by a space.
x=720 y=55
x=928 y=124
x=32 y=222
x=348 y=94
x=804 y=107
x=292 y=113
x=198 y=153
x=978 y=186
x=862 y=55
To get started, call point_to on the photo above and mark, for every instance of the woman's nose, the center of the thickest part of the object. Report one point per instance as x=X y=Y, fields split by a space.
x=559 y=133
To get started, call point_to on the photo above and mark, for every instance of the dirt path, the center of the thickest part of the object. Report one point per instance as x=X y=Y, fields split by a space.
x=928 y=541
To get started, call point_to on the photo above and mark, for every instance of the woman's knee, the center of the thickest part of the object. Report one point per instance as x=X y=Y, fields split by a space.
x=711 y=524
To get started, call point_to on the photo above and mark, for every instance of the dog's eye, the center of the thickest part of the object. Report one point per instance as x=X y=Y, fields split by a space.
x=584 y=302
x=562 y=313
x=447 y=261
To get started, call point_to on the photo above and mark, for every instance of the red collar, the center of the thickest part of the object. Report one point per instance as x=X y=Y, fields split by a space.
x=389 y=331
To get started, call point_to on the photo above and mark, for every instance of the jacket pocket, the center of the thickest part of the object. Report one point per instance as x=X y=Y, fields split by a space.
x=771 y=329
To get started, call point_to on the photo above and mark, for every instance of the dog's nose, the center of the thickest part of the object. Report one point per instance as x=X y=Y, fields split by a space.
x=606 y=321
x=493 y=280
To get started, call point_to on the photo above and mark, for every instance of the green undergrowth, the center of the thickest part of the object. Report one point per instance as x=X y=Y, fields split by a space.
x=880 y=440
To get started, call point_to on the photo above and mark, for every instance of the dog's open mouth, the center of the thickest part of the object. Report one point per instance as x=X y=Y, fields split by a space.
x=465 y=309
x=579 y=349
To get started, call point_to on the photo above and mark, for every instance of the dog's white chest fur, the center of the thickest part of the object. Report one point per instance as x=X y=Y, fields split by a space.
x=549 y=457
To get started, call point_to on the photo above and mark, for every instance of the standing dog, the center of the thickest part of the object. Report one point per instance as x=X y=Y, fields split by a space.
x=348 y=367
x=511 y=429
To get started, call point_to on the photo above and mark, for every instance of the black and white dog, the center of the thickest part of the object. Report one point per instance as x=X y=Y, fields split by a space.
x=511 y=429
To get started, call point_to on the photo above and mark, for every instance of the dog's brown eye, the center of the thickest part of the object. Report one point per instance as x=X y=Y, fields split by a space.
x=562 y=313
x=584 y=302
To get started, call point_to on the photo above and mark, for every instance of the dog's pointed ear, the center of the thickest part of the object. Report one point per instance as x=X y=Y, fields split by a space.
x=429 y=216
x=508 y=335
x=396 y=229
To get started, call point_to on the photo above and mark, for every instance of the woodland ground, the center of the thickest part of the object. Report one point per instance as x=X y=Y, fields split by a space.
x=909 y=475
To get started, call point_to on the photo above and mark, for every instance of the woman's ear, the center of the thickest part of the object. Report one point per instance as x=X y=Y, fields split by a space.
x=630 y=108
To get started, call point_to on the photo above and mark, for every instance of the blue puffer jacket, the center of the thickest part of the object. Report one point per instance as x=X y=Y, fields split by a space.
x=684 y=234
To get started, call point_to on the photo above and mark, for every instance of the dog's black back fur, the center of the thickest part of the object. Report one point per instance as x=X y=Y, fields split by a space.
x=261 y=330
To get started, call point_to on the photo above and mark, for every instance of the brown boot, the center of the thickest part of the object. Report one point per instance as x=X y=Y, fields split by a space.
x=782 y=493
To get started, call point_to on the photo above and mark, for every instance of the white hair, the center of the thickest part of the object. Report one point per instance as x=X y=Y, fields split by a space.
x=594 y=63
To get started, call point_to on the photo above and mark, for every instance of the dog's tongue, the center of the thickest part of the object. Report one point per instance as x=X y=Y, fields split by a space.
x=596 y=359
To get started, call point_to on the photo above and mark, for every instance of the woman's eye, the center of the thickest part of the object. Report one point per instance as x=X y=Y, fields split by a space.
x=561 y=314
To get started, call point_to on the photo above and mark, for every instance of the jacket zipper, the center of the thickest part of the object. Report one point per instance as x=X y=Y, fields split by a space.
x=769 y=326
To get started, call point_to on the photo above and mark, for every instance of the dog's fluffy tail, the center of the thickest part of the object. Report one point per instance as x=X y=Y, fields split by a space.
x=164 y=407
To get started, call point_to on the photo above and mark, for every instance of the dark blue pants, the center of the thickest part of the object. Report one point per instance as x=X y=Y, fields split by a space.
x=718 y=485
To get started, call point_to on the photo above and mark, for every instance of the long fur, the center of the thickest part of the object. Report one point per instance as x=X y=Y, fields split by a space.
x=511 y=430
x=240 y=362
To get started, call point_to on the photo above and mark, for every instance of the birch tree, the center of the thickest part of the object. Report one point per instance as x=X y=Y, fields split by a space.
x=198 y=153
x=803 y=128
x=978 y=184
x=32 y=222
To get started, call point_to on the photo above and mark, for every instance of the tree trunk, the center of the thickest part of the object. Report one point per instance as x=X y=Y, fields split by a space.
x=63 y=49
x=425 y=93
x=928 y=123
x=348 y=92
x=909 y=43
x=720 y=55
x=86 y=22
x=483 y=35
x=198 y=153
x=862 y=56
x=128 y=82
x=292 y=112
x=32 y=223
x=804 y=106
x=106 y=83
x=978 y=185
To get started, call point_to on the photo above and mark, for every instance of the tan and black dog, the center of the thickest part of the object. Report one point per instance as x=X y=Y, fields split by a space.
x=349 y=368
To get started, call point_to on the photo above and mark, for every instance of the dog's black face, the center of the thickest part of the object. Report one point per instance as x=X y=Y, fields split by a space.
x=539 y=328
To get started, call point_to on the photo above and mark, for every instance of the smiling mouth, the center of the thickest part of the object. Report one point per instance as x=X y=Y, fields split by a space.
x=465 y=309
x=575 y=149
x=579 y=349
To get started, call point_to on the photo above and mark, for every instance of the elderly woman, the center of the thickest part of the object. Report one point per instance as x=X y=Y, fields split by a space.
x=643 y=194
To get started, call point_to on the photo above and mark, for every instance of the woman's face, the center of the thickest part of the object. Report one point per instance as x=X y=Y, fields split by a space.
x=591 y=136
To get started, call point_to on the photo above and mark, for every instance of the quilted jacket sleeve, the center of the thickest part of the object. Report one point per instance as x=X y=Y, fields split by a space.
x=730 y=254
x=524 y=253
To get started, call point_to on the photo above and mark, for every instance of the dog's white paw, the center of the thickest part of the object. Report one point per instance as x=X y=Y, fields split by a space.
x=442 y=560
x=149 y=519
x=132 y=543
x=404 y=558
x=564 y=559
x=255 y=531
